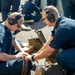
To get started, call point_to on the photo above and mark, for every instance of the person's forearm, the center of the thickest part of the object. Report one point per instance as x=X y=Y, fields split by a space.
x=40 y=55
x=6 y=57
x=44 y=53
x=17 y=46
x=45 y=45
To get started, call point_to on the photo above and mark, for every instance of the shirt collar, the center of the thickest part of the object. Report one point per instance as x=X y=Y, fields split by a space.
x=58 y=21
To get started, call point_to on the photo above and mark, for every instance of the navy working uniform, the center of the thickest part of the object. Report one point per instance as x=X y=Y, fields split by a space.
x=0 y=5
x=6 y=6
x=69 y=8
x=52 y=2
x=28 y=11
x=64 y=37
x=38 y=2
x=6 y=46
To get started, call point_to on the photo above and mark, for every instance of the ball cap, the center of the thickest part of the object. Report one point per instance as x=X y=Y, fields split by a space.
x=20 y=21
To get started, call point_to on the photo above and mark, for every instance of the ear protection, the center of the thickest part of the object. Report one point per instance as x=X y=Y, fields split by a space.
x=13 y=20
x=50 y=17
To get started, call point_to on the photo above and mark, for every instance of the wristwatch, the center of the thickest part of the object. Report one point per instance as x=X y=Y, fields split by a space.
x=32 y=57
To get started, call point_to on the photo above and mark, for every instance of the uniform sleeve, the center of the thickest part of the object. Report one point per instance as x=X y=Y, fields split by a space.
x=13 y=36
x=2 y=48
x=36 y=8
x=61 y=36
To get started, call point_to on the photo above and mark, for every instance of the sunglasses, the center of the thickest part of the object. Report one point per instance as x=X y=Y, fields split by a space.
x=19 y=26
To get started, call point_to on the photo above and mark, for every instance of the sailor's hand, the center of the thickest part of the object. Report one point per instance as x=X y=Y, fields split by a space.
x=21 y=55
x=28 y=57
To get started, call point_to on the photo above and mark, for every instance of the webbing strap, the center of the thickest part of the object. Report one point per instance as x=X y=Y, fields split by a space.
x=24 y=67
